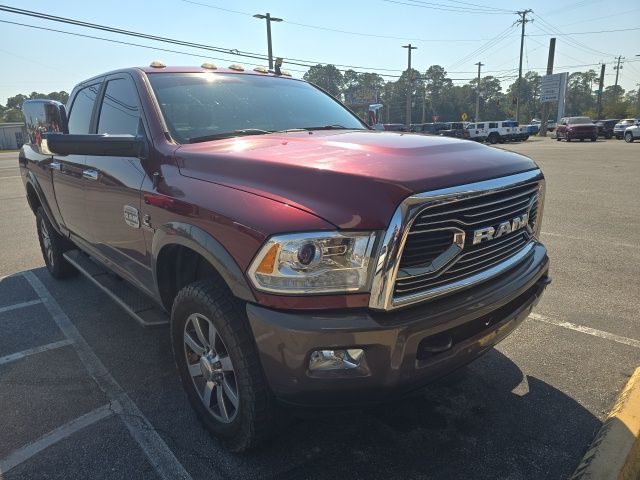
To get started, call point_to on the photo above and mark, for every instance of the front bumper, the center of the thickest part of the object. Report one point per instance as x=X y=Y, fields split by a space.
x=582 y=134
x=396 y=344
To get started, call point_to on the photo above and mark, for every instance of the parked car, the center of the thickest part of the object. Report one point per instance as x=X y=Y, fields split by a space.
x=496 y=132
x=394 y=127
x=454 y=129
x=621 y=126
x=632 y=133
x=429 y=128
x=304 y=259
x=572 y=128
x=605 y=127
x=551 y=124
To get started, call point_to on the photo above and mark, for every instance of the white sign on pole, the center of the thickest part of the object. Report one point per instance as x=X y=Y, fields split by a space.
x=550 y=87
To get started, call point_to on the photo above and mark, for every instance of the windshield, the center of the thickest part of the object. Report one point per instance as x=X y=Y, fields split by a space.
x=576 y=120
x=206 y=106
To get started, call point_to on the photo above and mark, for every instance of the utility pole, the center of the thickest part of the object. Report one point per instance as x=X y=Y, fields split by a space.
x=424 y=102
x=523 y=20
x=477 y=117
x=617 y=69
x=269 y=19
x=600 y=87
x=409 y=82
x=545 y=106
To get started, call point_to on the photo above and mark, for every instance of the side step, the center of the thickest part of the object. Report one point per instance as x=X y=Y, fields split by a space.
x=134 y=302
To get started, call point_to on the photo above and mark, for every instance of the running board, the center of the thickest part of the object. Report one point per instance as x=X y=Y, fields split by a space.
x=134 y=302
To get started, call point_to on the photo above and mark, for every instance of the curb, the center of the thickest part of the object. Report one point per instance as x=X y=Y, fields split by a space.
x=615 y=452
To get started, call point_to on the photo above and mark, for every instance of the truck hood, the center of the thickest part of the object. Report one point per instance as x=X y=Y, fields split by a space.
x=353 y=179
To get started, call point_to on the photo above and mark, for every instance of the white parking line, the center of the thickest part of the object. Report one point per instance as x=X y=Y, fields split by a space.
x=22 y=454
x=158 y=453
x=16 y=306
x=588 y=330
x=13 y=176
x=594 y=240
x=32 y=351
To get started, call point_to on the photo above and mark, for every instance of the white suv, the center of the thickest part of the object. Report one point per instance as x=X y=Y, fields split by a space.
x=632 y=132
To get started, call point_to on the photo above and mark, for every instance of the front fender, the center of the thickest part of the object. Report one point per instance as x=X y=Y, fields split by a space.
x=198 y=240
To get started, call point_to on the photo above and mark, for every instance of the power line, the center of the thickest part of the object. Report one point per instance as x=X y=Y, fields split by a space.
x=582 y=33
x=445 y=8
x=347 y=32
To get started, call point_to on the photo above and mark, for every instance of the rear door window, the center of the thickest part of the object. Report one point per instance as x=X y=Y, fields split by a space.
x=82 y=110
x=119 y=113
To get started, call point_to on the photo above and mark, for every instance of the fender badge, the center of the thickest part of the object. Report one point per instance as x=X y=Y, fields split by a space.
x=131 y=216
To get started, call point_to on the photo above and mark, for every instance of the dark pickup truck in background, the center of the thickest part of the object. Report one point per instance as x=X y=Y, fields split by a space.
x=303 y=258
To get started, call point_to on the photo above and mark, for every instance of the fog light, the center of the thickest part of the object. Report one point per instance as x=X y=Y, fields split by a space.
x=336 y=359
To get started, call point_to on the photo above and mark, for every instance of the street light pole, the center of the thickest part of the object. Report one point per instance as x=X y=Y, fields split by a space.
x=409 y=83
x=269 y=19
x=477 y=117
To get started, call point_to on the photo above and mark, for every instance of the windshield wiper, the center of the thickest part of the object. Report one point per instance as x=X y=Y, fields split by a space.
x=327 y=127
x=235 y=133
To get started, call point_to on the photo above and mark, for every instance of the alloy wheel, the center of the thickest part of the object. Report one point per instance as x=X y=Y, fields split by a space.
x=46 y=241
x=210 y=367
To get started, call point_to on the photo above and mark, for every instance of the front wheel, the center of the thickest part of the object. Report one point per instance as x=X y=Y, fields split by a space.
x=219 y=366
x=628 y=137
x=493 y=138
x=53 y=246
x=593 y=139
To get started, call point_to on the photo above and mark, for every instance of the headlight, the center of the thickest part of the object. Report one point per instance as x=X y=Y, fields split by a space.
x=318 y=262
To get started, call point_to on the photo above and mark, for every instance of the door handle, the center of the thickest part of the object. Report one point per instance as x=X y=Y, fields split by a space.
x=55 y=166
x=90 y=174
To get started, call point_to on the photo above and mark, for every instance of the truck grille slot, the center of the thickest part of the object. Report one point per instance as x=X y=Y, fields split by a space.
x=426 y=240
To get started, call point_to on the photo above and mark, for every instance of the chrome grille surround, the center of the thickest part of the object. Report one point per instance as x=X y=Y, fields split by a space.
x=383 y=291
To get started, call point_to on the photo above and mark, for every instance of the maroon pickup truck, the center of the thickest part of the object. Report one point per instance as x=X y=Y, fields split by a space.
x=303 y=259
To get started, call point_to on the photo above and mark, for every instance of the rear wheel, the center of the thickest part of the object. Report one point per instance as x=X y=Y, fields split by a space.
x=219 y=366
x=593 y=139
x=493 y=138
x=53 y=246
x=628 y=137
x=567 y=138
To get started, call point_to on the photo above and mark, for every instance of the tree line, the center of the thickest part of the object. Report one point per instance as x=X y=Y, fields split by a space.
x=434 y=95
x=10 y=112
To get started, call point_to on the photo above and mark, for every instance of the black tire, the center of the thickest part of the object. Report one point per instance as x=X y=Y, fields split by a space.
x=593 y=139
x=567 y=138
x=53 y=245
x=628 y=137
x=582 y=139
x=558 y=137
x=493 y=138
x=255 y=415
x=608 y=137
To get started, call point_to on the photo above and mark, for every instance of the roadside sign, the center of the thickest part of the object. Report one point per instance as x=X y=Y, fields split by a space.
x=550 y=87
x=464 y=116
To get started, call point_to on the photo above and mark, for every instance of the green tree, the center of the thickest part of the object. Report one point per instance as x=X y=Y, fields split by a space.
x=327 y=77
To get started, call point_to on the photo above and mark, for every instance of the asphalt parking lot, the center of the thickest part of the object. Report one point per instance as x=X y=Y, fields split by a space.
x=81 y=378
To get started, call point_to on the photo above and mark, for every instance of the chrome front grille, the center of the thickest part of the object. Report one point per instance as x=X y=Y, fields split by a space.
x=434 y=225
x=428 y=248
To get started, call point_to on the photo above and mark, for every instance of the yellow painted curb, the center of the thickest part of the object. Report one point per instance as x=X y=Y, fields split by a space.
x=615 y=452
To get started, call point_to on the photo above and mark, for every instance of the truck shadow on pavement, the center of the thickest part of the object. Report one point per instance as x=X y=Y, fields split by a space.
x=486 y=420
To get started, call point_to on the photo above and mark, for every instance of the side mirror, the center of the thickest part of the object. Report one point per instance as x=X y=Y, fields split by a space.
x=42 y=117
x=100 y=145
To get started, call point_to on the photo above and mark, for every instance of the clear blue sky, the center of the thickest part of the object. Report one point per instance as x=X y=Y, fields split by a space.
x=38 y=60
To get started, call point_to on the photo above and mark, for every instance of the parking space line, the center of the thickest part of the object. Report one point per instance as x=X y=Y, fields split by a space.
x=32 y=351
x=588 y=330
x=158 y=453
x=22 y=454
x=13 y=176
x=594 y=240
x=16 y=306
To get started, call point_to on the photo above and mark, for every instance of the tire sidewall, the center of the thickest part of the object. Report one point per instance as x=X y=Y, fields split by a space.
x=180 y=313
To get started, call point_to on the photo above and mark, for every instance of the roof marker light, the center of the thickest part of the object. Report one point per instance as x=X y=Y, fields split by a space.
x=208 y=66
x=157 y=64
x=285 y=73
x=237 y=67
x=261 y=70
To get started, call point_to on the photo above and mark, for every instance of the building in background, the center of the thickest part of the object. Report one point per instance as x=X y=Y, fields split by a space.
x=11 y=136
